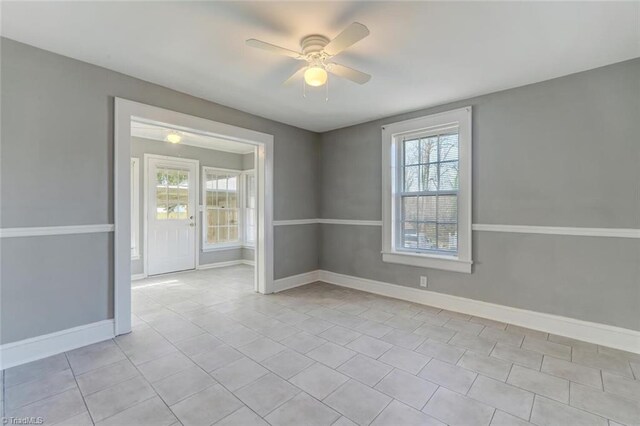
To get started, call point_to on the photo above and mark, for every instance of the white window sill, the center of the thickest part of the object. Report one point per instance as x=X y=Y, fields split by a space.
x=428 y=261
x=221 y=247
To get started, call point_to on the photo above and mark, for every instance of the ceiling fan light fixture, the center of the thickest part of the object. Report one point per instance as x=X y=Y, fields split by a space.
x=174 y=137
x=315 y=76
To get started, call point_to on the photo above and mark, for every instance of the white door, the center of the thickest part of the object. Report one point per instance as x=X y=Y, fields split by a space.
x=171 y=215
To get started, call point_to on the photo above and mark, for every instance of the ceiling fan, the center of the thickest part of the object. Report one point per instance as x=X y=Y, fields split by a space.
x=317 y=52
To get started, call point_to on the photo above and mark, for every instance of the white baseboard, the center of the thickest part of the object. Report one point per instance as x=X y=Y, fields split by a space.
x=228 y=263
x=136 y=277
x=601 y=334
x=296 y=281
x=35 y=348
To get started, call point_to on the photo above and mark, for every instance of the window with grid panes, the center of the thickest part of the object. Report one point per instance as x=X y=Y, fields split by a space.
x=426 y=184
x=221 y=214
x=429 y=192
x=250 y=208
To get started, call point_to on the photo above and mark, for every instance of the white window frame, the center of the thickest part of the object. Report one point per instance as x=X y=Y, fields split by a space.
x=244 y=219
x=208 y=247
x=392 y=136
x=135 y=208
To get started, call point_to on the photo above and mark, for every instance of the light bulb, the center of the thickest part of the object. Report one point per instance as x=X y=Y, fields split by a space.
x=174 y=138
x=315 y=76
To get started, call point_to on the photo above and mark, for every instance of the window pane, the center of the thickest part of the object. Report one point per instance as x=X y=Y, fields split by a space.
x=449 y=176
x=411 y=152
x=448 y=208
x=410 y=208
x=220 y=200
x=449 y=147
x=426 y=236
x=173 y=196
x=212 y=217
x=212 y=234
x=429 y=177
x=427 y=209
x=429 y=150
x=223 y=234
x=161 y=202
x=212 y=182
x=233 y=233
x=447 y=237
x=233 y=200
x=411 y=178
x=428 y=221
x=232 y=183
x=409 y=235
x=183 y=201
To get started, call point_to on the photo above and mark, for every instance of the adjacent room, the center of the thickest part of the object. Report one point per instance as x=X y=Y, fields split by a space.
x=277 y=213
x=193 y=201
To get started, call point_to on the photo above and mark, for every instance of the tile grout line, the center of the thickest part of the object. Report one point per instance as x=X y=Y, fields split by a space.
x=137 y=403
x=75 y=379
x=495 y=410
x=384 y=408
x=36 y=380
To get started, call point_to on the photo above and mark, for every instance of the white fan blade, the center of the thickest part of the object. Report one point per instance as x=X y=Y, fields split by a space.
x=350 y=36
x=295 y=76
x=348 y=73
x=273 y=48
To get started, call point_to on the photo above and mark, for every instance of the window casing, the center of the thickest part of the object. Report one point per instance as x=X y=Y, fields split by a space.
x=427 y=191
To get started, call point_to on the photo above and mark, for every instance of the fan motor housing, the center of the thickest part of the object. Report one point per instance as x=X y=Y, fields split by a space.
x=313 y=43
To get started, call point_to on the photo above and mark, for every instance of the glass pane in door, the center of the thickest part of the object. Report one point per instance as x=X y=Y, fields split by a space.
x=172 y=194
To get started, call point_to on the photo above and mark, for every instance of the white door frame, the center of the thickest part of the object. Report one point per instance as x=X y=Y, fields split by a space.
x=145 y=200
x=125 y=111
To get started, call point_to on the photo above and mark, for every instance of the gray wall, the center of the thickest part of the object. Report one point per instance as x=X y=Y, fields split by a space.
x=57 y=169
x=207 y=158
x=564 y=152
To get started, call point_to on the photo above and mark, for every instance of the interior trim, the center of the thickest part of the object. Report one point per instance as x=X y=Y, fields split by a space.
x=328 y=221
x=560 y=230
x=351 y=222
x=296 y=280
x=596 y=333
x=227 y=263
x=40 y=231
x=35 y=348
x=481 y=227
x=294 y=222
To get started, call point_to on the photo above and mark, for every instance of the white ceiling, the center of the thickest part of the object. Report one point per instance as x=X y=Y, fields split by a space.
x=159 y=132
x=420 y=54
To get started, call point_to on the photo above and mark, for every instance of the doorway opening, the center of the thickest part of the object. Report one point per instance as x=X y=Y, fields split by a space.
x=193 y=197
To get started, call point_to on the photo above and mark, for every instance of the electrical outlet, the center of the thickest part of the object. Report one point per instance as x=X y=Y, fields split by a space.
x=423 y=281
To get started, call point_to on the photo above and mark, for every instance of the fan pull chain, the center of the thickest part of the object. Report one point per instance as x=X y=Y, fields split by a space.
x=304 y=88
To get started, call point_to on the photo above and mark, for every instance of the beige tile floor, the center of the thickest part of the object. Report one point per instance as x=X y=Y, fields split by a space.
x=205 y=349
